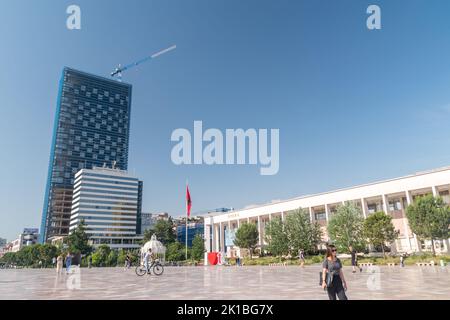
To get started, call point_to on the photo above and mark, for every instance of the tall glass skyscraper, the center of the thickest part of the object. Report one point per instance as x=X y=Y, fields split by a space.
x=92 y=125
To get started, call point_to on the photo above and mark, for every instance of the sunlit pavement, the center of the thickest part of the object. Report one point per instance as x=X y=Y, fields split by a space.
x=248 y=282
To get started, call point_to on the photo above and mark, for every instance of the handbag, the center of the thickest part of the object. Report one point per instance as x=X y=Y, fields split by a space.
x=328 y=279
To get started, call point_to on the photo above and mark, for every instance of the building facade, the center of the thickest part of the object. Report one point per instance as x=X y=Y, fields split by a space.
x=108 y=202
x=28 y=237
x=193 y=228
x=391 y=196
x=148 y=220
x=91 y=128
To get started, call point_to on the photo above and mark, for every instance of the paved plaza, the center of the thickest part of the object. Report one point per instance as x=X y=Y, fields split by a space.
x=248 y=282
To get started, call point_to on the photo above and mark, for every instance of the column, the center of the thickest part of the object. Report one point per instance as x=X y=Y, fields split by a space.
x=409 y=201
x=311 y=214
x=270 y=217
x=327 y=213
x=260 y=240
x=364 y=207
x=238 y=223
x=435 y=191
x=282 y=215
x=405 y=224
x=385 y=204
x=222 y=240
x=216 y=238
x=207 y=237
x=248 y=220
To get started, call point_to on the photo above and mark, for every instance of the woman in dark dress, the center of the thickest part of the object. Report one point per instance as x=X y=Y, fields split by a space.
x=332 y=267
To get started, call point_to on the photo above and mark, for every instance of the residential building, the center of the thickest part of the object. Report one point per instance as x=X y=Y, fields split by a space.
x=28 y=237
x=150 y=219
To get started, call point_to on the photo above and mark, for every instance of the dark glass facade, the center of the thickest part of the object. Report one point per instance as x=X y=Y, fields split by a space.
x=139 y=208
x=91 y=128
x=193 y=230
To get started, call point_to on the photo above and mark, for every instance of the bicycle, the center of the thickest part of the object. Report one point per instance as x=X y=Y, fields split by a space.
x=156 y=266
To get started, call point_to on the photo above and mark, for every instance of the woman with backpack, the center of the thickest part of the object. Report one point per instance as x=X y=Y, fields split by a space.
x=332 y=276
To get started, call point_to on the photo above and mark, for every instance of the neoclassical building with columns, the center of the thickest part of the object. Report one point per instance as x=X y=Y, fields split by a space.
x=391 y=196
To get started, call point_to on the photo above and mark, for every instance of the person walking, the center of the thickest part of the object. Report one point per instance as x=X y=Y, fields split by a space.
x=402 y=259
x=354 y=256
x=127 y=261
x=59 y=264
x=89 y=261
x=53 y=261
x=301 y=257
x=332 y=275
x=68 y=262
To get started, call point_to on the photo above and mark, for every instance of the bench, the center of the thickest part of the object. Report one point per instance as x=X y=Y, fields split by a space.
x=425 y=264
x=282 y=264
x=367 y=264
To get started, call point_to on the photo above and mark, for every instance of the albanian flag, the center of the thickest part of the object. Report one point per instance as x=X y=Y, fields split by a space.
x=188 y=202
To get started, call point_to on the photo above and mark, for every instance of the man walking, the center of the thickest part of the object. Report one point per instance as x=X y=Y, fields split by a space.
x=354 y=256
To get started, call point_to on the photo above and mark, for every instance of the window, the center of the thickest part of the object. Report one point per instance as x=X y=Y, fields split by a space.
x=320 y=216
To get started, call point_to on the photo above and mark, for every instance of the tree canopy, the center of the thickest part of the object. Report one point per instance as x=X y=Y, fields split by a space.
x=345 y=227
x=247 y=237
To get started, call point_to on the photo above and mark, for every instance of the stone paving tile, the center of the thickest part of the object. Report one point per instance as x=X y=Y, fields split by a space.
x=211 y=283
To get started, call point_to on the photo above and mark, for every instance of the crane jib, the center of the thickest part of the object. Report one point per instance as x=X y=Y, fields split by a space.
x=119 y=70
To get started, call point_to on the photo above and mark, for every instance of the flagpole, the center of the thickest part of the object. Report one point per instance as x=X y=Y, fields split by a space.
x=186 y=222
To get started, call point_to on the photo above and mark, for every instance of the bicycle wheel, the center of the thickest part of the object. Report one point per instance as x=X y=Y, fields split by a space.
x=158 y=269
x=140 y=271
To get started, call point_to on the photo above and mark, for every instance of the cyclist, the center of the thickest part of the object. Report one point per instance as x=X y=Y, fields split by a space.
x=148 y=259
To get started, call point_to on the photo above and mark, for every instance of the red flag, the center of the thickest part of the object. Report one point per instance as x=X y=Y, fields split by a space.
x=188 y=202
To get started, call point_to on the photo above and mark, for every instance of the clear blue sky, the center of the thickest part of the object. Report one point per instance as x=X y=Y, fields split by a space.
x=352 y=105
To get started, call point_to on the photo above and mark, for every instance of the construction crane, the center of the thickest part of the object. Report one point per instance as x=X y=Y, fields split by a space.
x=118 y=71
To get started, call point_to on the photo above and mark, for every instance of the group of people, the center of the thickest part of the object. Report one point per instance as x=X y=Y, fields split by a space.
x=60 y=260
x=66 y=259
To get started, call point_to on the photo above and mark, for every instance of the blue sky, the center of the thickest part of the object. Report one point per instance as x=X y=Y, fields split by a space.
x=352 y=105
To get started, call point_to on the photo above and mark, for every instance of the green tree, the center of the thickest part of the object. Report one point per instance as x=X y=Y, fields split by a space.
x=198 y=248
x=175 y=252
x=276 y=237
x=301 y=233
x=47 y=252
x=100 y=256
x=164 y=231
x=247 y=237
x=121 y=255
x=378 y=229
x=78 y=240
x=429 y=218
x=10 y=258
x=345 y=227
x=112 y=258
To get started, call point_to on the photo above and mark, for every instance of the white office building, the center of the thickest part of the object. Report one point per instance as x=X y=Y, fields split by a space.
x=391 y=196
x=108 y=200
